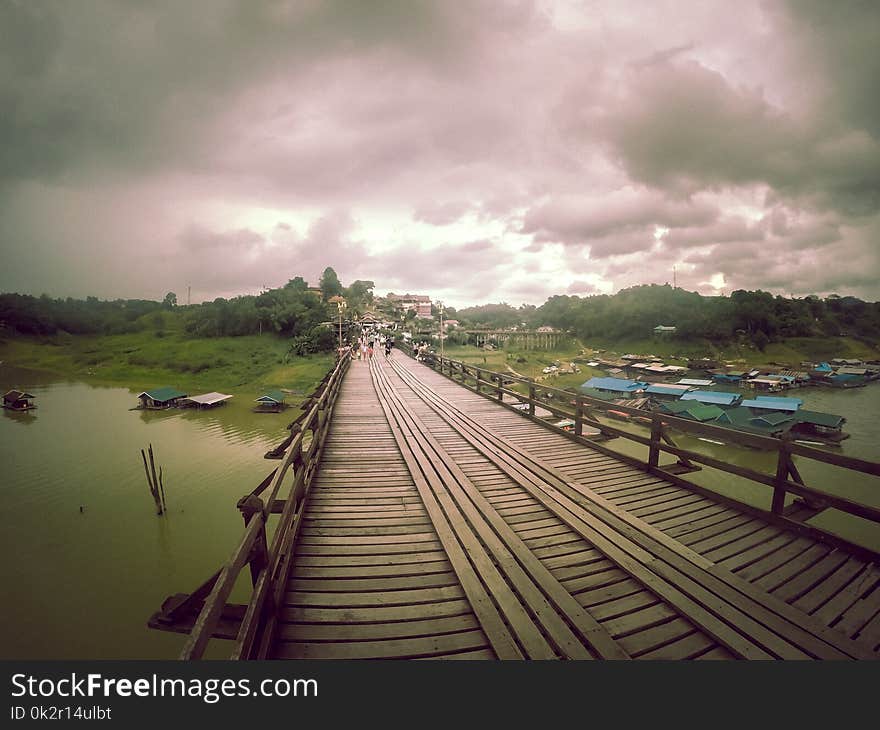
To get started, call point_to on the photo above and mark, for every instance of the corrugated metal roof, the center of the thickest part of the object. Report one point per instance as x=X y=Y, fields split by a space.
x=774 y=404
x=703 y=412
x=615 y=384
x=660 y=389
x=819 y=419
x=772 y=419
x=705 y=396
x=695 y=382
x=209 y=399
x=14 y=395
x=163 y=394
x=272 y=396
x=779 y=399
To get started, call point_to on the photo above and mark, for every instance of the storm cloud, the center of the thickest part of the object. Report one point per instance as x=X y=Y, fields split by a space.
x=478 y=151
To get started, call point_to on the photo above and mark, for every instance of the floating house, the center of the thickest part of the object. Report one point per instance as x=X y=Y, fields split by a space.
x=695 y=382
x=733 y=376
x=18 y=400
x=692 y=410
x=616 y=385
x=160 y=398
x=741 y=418
x=845 y=380
x=824 y=427
x=206 y=400
x=719 y=398
x=664 y=391
x=271 y=402
x=768 y=403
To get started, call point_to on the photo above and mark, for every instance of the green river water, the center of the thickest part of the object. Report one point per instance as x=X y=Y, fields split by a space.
x=82 y=584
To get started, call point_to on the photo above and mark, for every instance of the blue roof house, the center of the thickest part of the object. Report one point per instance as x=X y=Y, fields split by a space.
x=719 y=398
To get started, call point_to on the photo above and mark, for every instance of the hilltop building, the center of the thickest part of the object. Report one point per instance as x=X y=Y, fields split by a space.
x=421 y=303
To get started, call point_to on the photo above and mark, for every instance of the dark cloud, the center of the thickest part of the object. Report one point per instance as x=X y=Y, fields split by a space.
x=481 y=148
x=576 y=219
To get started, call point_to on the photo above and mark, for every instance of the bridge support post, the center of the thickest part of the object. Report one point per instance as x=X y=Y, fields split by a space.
x=531 y=400
x=654 y=451
x=783 y=467
x=249 y=506
x=578 y=416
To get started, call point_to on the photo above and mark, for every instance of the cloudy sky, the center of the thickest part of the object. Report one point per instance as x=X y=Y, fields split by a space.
x=474 y=151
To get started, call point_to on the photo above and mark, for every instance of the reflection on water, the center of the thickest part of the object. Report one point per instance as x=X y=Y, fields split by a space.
x=92 y=559
x=25 y=418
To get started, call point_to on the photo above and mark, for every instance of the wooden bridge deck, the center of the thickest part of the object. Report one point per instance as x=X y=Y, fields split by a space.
x=442 y=525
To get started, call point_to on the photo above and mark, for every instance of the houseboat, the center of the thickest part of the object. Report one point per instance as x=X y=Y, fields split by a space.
x=160 y=398
x=206 y=400
x=18 y=400
x=271 y=402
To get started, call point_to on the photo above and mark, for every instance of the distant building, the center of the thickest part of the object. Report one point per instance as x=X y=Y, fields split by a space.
x=315 y=290
x=664 y=330
x=421 y=303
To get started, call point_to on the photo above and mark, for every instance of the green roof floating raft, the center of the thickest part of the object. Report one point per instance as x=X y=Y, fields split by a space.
x=270 y=402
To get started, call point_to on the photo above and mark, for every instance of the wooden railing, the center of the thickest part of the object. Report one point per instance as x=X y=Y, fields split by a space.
x=583 y=411
x=254 y=624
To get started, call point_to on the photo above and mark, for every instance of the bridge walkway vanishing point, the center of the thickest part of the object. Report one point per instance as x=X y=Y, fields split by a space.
x=429 y=534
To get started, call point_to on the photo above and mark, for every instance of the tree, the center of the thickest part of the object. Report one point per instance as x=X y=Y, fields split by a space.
x=170 y=300
x=360 y=295
x=330 y=286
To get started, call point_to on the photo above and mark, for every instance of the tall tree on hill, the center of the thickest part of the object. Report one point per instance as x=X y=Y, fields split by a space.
x=330 y=286
x=359 y=295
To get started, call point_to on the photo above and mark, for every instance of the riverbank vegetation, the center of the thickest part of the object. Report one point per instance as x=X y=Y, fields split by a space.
x=753 y=326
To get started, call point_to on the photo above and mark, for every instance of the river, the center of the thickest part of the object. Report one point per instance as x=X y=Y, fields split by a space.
x=87 y=560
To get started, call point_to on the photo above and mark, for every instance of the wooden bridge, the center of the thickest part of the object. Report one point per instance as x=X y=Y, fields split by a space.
x=413 y=516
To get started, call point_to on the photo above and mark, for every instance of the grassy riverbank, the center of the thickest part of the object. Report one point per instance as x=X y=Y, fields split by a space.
x=143 y=360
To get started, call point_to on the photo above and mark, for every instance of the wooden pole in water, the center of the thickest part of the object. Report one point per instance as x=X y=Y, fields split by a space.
x=153 y=482
x=162 y=491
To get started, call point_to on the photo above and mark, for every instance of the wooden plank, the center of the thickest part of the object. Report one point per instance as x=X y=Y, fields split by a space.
x=373 y=614
x=367 y=632
x=632 y=563
x=384 y=598
x=368 y=571
x=656 y=636
x=689 y=646
x=396 y=648
x=751 y=600
x=504 y=545
x=793 y=589
x=825 y=590
x=370 y=583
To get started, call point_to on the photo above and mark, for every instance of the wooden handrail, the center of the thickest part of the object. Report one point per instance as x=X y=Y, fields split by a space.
x=787 y=479
x=268 y=562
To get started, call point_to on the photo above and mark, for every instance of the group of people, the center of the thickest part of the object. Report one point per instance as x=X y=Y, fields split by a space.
x=367 y=343
x=420 y=350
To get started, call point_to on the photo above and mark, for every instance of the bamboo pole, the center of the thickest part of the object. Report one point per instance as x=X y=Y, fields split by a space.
x=155 y=482
x=162 y=491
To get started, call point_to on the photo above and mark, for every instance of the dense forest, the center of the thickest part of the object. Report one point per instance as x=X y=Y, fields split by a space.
x=299 y=312
x=293 y=311
x=632 y=313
